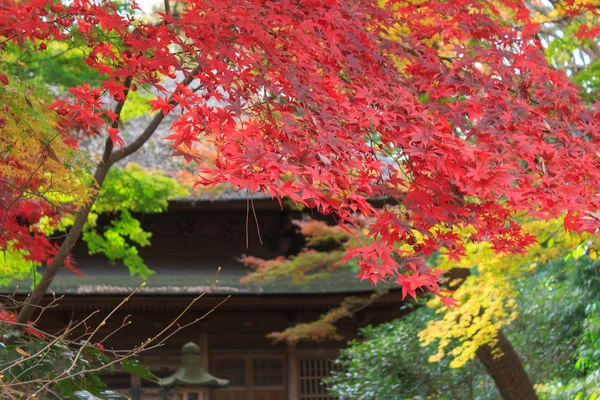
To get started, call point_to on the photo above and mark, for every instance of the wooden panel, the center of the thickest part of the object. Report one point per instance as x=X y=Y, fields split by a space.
x=256 y=376
x=267 y=372
x=232 y=368
x=243 y=394
x=229 y=394
x=292 y=364
x=312 y=371
x=154 y=394
x=266 y=394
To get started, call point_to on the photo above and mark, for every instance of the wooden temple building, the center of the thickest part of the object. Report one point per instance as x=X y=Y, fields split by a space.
x=189 y=242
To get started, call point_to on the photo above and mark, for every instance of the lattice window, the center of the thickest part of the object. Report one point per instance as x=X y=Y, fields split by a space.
x=231 y=368
x=267 y=372
x=311 y=374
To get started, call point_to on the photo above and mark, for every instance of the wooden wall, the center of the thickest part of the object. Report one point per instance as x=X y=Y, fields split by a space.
x=232 y=338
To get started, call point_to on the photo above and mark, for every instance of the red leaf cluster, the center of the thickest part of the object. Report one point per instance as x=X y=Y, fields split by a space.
x=314 y=100
x=9 y=317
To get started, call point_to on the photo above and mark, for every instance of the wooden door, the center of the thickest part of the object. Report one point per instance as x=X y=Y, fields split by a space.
x=252 y=376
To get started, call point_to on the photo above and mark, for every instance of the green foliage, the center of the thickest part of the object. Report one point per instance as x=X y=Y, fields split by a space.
x=68 y=372
x=133 y=367
x=567 y=52
x=556 y=335
x=39 y=359
x=589 y=79
x=126 y=191
x=563 y=45
x=588 y=352
x=576 y=389
x=16 y=266
x=113 y=241
x=136 y=106
x=389 y=364
x=137 y=190
x=552 y=304
x=569 y=370
x=60 y=65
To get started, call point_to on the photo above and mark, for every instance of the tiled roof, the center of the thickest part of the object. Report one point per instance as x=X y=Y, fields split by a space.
x=181 y=277
x=223 y=195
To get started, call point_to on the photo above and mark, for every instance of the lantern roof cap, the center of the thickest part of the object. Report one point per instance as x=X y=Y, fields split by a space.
x=190 y=372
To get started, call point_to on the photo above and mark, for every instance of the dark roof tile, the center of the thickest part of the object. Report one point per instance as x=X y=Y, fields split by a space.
x=185 y=278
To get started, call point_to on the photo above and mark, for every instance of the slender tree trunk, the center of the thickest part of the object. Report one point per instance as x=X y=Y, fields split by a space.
x=33 y=301
x=507 y=371
x=109 y=158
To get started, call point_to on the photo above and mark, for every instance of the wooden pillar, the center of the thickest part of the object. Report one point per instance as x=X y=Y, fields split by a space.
x=292 y=372
x=136 y=387
x=203 y=344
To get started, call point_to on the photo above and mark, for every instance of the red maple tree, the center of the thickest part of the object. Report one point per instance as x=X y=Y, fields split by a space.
x=448 y=109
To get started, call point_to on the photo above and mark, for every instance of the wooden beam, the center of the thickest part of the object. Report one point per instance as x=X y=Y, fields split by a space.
x=292 y=368
x=236 y=302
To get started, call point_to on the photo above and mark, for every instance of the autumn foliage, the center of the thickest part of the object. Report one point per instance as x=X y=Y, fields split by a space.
x=41 y=177
x=447 y=109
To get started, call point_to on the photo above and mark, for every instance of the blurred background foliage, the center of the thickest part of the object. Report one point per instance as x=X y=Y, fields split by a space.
x=556 y=334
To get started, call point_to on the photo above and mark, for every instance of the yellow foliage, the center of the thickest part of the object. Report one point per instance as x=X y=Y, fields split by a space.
x=559 y=9
x=486 y=297
x=558 y=15
x=443 y=44
x=36 y=161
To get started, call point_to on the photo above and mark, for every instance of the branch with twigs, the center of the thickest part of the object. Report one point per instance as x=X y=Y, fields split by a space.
x=109 y=158
x=24 y=377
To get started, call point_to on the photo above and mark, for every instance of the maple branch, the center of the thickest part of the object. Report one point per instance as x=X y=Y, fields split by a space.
x=324 y=327
x=36 y=385
x=149 y=344
x=71 y=238
x=109 y=158
x=119 y=107
x=74 y=233
x=134 y=146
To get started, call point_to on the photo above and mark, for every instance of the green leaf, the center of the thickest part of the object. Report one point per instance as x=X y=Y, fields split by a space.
x=128 y=190
x=134 y=368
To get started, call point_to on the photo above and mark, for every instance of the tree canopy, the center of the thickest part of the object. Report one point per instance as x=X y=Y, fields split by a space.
x=448 y=109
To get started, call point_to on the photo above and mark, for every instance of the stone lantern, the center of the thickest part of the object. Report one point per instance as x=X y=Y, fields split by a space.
x=191 y=381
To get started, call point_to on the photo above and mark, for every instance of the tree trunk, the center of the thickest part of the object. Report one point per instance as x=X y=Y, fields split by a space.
x=507 y=371
x=32 y=304
x=109 y=158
